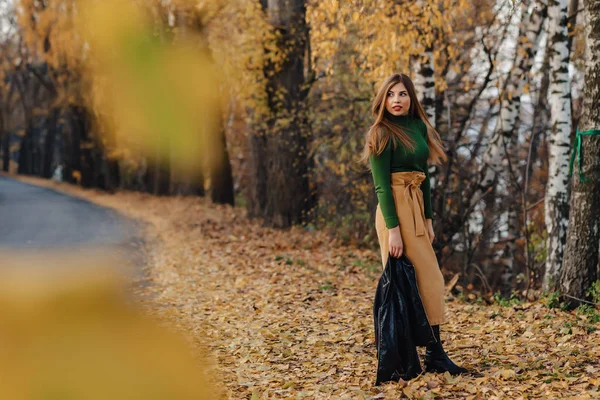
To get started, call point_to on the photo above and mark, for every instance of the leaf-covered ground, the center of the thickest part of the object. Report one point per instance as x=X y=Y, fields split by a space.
x=287 y=314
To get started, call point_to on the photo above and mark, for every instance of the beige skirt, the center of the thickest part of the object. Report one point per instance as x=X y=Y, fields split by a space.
x=408 y=199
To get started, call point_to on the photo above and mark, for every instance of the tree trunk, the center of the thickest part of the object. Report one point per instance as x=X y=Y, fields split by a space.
x=424 y=81
x=256 y=189
x=500 y=158
x=4 y=143
x=70 y=154
x=556 y=201
x=87 y=166
x=163 y=179
x=99 y=167
x=49 y=143
x=283 y=150
x=150 y=175
x=25 y=152
x=5 y=152
x=580 y=264
x=287 y=179
x=530 y=31
x=81 y=131
x=162 y=186
x=196 y=183
x=221 y=177
x=112 y=179
x=36 y=152
x=425 y=84
x=158 y=173
x=541 y=114
x=573 y=10
x=73 y=168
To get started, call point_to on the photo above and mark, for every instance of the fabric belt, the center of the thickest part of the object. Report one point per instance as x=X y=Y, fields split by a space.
x=412 y=192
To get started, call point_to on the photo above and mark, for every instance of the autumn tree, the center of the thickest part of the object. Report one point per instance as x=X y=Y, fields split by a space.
x=424 y=69
x=54 y=62
x=69 y=68
x=8 y=93
x=556 y=202
x=500 y=157
x=279 y=186
x=581 y=258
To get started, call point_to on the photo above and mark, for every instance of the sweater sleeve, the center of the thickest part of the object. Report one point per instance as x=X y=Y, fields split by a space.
x=381 y=170
x=426 y=185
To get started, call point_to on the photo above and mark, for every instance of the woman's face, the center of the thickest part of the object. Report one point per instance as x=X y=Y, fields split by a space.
x=397 y=101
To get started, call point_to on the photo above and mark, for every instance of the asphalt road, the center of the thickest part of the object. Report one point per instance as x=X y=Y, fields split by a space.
x=32 y=217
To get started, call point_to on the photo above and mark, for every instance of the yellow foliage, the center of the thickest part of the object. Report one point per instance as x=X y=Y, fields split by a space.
x=146 y=73
x=381 y=35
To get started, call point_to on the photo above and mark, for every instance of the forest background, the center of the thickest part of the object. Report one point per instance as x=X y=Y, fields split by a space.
x=265 y=104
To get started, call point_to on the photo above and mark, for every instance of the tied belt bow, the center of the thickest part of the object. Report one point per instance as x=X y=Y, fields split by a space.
x=413 y=193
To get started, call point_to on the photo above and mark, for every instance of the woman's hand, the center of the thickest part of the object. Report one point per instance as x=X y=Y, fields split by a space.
x=396 y=245
x=430 y=229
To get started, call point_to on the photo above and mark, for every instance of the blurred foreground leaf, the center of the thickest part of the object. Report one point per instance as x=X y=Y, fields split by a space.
x=155 y=90
x=68 y=331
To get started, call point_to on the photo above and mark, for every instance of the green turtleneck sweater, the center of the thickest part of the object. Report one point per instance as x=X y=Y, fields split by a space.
x=401 y=160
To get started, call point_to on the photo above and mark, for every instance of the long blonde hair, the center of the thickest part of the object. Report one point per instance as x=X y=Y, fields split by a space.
x=383 y=130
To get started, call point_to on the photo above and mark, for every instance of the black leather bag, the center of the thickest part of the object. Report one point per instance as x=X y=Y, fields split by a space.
x=400 y=322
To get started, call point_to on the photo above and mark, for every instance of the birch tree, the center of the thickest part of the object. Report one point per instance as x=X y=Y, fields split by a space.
x=556 y=200
x=580 y=265
x=529 y=33
x=424 y=78
x=503 y=144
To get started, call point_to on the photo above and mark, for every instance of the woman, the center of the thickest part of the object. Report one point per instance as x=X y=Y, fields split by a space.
x=399 y=147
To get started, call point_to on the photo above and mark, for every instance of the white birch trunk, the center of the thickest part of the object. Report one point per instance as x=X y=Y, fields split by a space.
x=511 y=233
x=580 y=266
x=530 y=33
x=559 y=98
x=505 y=138
x=424 y=79
x=425 y=83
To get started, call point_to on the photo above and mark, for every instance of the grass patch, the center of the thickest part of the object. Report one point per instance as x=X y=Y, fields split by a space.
x=553 y=300
x=370 y=267
x=590 y=312
x=507 y=302
x=594 y=291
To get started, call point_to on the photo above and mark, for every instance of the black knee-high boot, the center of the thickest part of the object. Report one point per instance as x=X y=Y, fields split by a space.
x=436 y=359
